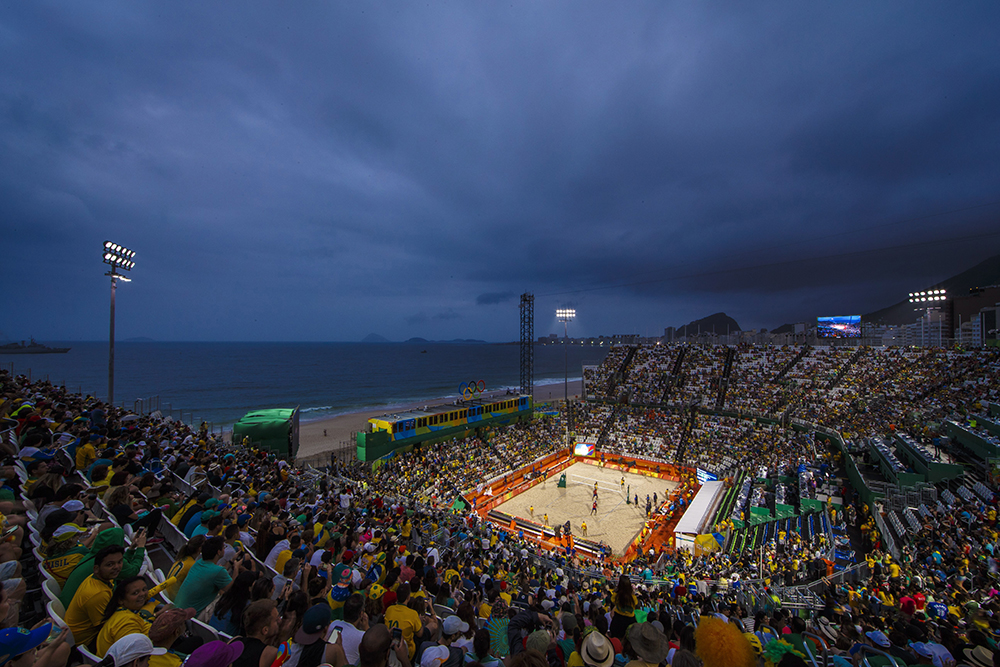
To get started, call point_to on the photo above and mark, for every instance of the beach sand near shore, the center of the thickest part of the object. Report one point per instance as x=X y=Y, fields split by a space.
x=338 y=430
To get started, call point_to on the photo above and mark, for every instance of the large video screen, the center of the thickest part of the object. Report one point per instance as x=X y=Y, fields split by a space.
x=839 y=326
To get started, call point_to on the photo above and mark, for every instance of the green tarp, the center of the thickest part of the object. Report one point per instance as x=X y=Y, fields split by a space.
x=274 y=429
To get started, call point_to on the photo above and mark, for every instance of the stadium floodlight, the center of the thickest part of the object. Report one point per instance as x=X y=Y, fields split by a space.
x=565 y=315
x=929 y=295
x=119 y=258
x=928 y=300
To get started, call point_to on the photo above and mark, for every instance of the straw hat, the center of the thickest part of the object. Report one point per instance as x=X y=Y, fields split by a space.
x=597 y=651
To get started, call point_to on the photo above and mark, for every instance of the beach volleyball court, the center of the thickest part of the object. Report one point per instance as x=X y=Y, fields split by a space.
x=615 y=523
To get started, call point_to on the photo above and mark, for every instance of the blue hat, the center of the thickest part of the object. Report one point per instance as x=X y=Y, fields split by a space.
x=15 y=641
x=879 y=639
x=243 y=519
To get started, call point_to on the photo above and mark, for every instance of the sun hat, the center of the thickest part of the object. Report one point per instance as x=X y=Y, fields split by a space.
x=132 y=647
x=827 y=629
x=980 y=656
x=596 y=650
x=215 y=654
x=650 y=644
x=15 y=641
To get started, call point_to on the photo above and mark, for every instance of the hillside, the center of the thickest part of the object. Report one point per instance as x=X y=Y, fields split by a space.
x=719 y=323
x=985 y=273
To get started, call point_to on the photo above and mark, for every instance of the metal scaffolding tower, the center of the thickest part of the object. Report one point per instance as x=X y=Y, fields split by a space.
x=527 y=343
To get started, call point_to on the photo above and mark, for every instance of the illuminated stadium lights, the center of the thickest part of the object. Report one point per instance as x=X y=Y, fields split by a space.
x=118 y=257
x=928 y=295
x=564 y=315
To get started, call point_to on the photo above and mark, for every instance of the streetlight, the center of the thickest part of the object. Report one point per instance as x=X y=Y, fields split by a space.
x=118 y=258
x=926 y=300
x=564 y=315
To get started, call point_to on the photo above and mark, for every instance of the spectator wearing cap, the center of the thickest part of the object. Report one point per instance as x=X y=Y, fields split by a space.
x=215 y=654
x=66 y=549
x=309 y=647
x=340 y=591
x=444 y=653
x=398 y=615
x=133 y=650
x=206 y=579
x=875 y=638
x=19 y=647
x=168 y=627
x=197 y=518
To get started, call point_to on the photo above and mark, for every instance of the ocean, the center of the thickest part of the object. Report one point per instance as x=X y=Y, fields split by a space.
x=220 y=382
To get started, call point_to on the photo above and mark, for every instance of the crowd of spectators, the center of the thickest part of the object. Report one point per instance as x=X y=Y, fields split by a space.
x=307 y=569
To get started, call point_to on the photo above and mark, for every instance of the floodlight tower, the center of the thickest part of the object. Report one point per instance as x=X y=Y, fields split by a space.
x=566 y=315
x=118 y=258
x=928 y=300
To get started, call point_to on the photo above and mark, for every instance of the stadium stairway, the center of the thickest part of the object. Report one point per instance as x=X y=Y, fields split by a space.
x=671 y=379
x=846 y=368
x=791 y=364
x=621 y=372
x=727 y=371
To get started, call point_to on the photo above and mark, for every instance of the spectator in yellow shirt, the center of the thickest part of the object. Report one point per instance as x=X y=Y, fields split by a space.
x=85 y=613
x=400 y=616
x=127 y=612
x=86 y=454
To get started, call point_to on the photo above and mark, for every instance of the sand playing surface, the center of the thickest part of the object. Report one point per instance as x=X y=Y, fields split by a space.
x=313 y=442
x=615 y=523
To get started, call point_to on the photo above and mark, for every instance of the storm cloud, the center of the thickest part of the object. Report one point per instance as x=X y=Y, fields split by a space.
x=354 y=168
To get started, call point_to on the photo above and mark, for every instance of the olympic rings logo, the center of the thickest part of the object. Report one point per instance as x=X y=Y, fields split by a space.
x=471 y=389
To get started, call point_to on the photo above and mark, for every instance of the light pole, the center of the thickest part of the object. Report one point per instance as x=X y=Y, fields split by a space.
x=117 y=257
x=926 y=301
x=564 y=315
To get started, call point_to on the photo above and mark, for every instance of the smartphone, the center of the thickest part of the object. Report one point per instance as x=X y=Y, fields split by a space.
x=334 y=635
x=397 y=635
x=10 y=531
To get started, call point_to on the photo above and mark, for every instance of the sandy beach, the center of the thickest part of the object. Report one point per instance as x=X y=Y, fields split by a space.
x=327 y=435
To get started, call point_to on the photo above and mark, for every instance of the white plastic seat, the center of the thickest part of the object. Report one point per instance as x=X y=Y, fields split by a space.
x=203 y=630
x=52 y=589
x=87 y=654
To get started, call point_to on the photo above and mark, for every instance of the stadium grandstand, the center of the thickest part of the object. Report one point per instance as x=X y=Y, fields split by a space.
x=855 y=524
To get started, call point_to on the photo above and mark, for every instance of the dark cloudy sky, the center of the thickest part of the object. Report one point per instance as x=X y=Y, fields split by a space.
x=319 y=171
